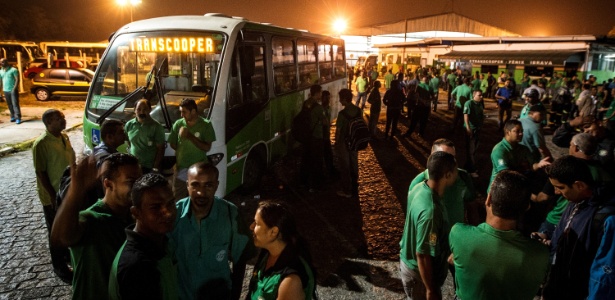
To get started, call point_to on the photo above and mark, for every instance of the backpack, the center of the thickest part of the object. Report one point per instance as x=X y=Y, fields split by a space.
x=358 y=133
x=424 y=98
x=300 y=129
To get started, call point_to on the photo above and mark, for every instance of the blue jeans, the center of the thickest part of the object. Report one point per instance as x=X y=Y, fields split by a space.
x=12 y=101
x=359 y=96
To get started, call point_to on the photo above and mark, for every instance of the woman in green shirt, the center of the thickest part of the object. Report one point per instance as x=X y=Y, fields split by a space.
x=281 y=271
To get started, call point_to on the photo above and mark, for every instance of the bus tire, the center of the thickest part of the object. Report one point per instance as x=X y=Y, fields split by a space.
x=42 y=94
x=253 y=171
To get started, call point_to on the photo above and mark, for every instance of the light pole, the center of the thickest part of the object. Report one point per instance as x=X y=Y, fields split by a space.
x=130 y=3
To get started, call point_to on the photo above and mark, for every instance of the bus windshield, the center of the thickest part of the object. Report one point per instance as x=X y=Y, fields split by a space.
x=186 y=64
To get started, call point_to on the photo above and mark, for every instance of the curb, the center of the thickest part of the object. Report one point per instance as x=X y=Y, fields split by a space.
x=28 y=144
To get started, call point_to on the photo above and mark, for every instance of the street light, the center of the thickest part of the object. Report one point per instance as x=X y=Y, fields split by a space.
x=339 y=26
x=130 y=3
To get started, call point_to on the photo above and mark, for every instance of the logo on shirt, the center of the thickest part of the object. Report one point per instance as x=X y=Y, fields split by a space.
x=433 y=239
x=603 y=152
x=501 y=162
x=220 y=256
x=197 y=134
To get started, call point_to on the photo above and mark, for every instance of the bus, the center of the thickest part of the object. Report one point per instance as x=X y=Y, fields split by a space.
x=249 y=79
x=88 y=52
x=29 y=51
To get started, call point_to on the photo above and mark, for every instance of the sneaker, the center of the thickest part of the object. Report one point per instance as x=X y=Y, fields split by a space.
x=18 y=121
x=12 y=119
x=474 y=175
x=344 y=195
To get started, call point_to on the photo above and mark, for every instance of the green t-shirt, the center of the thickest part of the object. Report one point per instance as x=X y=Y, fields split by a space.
x=462 y=90
x=434 y=83
x=144 y=140
x=187 y=153
x=505 y=156
x=10 y=77
x=387 y=80
x=452 y=80
x=476 y=84
x=533 y=138
x=51 y=155
x=265 y=284
x=361 y=83
x=555 y=214
x=93 y=255
x=142 y=270
x=203 y=249
x=475 y=113
x=484 y=84
x=495 y=264
x=425 y=232
x=455 y=196
x=610 y=111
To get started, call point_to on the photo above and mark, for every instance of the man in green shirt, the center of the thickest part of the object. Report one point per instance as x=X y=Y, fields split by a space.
x=95 y=234
x=461 y=94
x=361 y=86
x=145 y=137
x=211 y=242
x=493 y=260
x=434 y=83
x=10 y=82
x=473 y=118
x=312 y=160
x=533 y=136
x=349 y=164
x=388 y=78
x=424 y=243
x=509 y=154
x=144 y=267
x=452 y=84
x=52 y=153
x=191 y=137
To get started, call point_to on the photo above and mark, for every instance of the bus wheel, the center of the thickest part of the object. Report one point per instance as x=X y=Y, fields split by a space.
x=253 y=171
x=42 y=94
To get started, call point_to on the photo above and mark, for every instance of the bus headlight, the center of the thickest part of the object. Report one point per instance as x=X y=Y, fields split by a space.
x=214 y=159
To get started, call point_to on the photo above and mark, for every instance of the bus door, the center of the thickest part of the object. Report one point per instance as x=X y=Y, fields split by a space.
x=248 y=113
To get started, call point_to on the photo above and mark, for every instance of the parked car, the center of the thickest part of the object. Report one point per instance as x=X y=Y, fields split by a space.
x=61 y=82
x=70 y=82
x=58 y=63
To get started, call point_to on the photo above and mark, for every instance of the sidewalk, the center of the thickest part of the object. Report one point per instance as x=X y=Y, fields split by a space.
x=13 y=135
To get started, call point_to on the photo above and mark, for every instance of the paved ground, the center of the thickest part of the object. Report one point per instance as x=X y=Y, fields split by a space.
x=354 y=243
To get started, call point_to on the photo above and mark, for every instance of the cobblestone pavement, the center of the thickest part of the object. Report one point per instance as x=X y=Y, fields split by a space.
x=354 y=243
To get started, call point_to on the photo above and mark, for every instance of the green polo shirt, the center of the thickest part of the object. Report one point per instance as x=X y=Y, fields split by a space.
x=187 y=153
x=475 y=113
x=462 y=90
x=92 y=257
x=10 y=77
x=425 y=231
x=202 y=249
x=496 y=264
x=455 y=196
x=434 y=83
x=144 y=140
x=52 y=155
x=505 y=156
x=452 y=80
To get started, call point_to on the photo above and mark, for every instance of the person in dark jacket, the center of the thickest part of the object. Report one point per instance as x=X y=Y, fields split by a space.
x=394 y=100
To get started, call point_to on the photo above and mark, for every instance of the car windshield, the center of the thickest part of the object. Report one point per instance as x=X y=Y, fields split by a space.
x=186 y=64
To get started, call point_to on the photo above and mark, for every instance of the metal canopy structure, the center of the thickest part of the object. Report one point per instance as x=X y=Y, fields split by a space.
x=452 y=22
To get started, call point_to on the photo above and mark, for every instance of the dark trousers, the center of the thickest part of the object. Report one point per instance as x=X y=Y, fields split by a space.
x=59 y=256
x=328 y=156
x=312 y=161
x=501 y=110
x=457 y=119
x=374 y=114
x=471 y=147
x=420 y=116
x=12 y=101
x=392 y=119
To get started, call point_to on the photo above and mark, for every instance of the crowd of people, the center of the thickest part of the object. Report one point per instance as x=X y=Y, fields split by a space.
x=133 y=235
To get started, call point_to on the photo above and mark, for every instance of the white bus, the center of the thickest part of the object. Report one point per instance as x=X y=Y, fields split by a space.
x=89 y=52
x=249 y=79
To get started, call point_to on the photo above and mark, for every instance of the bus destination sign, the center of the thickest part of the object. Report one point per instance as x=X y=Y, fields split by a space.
x=173 y=44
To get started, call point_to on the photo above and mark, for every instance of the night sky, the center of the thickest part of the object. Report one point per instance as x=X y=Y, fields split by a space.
x=94 y=20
